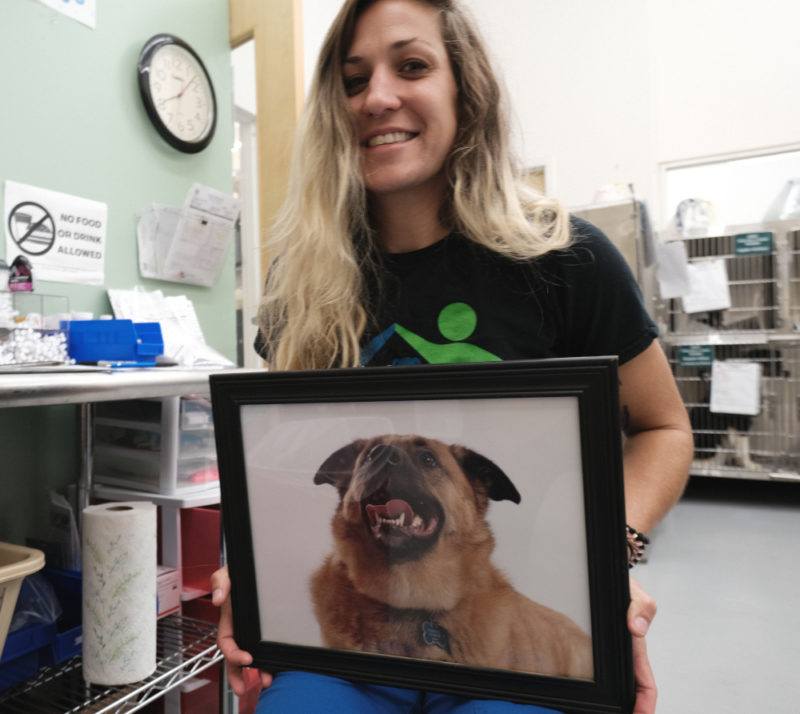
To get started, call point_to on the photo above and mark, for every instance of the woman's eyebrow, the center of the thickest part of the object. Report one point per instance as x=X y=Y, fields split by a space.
x=398 y=45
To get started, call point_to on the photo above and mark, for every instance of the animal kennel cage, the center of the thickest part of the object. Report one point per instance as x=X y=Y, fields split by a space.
x=762 y=325
x=752 y=274
x=794 y=279
x=762 y=446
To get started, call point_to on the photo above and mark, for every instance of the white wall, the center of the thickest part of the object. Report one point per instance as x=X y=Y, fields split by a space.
x=579 y=88
x=725 y=75
x=607 y=92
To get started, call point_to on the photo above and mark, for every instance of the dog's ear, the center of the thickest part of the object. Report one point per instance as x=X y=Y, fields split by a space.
x=337 y=469
x=487 y=473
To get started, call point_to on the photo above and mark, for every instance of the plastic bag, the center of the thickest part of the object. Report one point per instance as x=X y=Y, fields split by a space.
x=787 y=203
x=37 y=603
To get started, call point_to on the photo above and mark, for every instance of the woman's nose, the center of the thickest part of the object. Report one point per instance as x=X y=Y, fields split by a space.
x=382 y=93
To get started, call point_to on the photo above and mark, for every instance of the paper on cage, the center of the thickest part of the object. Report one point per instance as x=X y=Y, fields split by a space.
x=673 y=270
x=735 y=387
x=709 y=289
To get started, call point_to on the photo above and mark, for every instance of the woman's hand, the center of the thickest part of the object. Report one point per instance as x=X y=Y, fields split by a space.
x=641 y=612
x=235 y=658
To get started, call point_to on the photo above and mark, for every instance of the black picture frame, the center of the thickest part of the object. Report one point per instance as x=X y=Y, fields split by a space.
x=552 y=426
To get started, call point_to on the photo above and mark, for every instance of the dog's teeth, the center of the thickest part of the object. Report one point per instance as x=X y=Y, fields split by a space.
x=401 y=519
x=417 y=522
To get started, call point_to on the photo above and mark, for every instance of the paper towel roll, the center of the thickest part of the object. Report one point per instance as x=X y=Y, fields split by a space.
x=119 y=592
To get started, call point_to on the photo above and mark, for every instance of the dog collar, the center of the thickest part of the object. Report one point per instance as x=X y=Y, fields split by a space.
x=435 y=635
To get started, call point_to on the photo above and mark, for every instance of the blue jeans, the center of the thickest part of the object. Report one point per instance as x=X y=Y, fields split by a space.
x=306 y=693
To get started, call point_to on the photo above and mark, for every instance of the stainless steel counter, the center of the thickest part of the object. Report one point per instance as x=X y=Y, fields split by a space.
x=79 y=386
x=48 y=386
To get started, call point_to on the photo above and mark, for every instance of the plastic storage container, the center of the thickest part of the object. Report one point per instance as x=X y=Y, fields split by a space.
x=200 y=550
x=31 y=328
x=45 y=644
x=16 y=562
x=25 y=652
x=68 y=639
x=157 y=445
x=121 y=341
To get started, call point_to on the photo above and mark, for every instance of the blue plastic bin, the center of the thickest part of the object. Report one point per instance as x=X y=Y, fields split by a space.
x=118 y=341
x=22 y=654
x=68 y=639
x=35 y=646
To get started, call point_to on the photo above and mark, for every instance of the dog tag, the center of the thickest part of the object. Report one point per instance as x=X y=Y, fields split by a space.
x=436 y=636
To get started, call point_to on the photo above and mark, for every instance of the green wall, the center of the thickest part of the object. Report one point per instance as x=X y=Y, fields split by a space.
x=71 y=120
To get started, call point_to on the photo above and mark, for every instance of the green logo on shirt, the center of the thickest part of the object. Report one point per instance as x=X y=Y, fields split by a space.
x=457 y=321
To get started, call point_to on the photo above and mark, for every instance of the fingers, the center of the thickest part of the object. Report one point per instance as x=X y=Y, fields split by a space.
x=220 y=586
x=646 y=691
x=235 y=658
x=641 y=611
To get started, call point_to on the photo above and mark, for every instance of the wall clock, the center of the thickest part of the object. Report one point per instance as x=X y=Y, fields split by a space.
x=177 y=92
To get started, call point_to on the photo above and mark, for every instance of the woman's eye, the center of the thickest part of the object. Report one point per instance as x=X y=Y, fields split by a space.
x=413 y=66
x=353 y=85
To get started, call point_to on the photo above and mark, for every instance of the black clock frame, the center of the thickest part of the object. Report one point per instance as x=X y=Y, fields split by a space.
x=143 y=70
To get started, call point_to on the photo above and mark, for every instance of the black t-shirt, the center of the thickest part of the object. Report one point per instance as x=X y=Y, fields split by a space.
x=456 y=301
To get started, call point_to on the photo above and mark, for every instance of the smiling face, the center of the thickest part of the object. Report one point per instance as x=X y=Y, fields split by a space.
x=403 y=94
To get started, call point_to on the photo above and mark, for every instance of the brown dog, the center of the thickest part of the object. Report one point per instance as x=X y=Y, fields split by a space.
x=410 y=572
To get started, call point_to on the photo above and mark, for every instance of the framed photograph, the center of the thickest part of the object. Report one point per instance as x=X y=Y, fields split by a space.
x=454 y=528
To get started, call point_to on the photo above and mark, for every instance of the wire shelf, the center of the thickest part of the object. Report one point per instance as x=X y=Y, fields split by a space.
x=184 y=647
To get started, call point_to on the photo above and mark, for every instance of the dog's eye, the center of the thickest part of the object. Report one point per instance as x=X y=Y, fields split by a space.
x=427 y=458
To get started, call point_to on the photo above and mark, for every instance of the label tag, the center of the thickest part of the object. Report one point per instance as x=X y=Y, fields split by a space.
x=754 y=243
x=695 y=355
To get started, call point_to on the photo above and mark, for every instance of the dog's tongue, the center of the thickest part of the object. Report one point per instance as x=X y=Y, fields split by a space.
x=392 y=509
x=396 y=518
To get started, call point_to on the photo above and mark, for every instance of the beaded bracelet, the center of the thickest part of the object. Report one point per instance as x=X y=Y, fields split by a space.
x=636 y=545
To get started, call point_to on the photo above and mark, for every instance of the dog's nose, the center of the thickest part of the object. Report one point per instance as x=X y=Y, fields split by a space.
x=383 y=455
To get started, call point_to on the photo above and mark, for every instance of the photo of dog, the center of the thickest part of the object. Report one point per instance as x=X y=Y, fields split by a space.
x=410 y=573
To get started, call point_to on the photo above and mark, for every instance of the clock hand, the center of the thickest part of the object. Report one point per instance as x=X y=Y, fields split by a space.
x=180 y=94
x=186 y=86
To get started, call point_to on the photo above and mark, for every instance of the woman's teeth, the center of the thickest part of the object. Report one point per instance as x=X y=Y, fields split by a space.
x=392 y=138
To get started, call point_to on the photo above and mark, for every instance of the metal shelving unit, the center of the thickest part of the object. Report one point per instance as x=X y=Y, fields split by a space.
x=185 y=647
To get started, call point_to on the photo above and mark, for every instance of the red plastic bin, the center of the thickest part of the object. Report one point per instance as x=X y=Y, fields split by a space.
x=200 y=550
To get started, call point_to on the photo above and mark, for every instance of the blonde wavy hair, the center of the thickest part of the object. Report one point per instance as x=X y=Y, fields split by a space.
x=314 y=309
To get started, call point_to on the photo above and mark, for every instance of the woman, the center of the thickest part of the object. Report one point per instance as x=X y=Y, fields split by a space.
x=407 y=236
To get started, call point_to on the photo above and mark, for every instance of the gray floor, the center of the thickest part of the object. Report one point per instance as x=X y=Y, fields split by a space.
x=725 y=570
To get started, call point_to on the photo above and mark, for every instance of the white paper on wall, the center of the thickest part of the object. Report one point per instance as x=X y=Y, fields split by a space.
x=63 y=236
x=84 y=11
